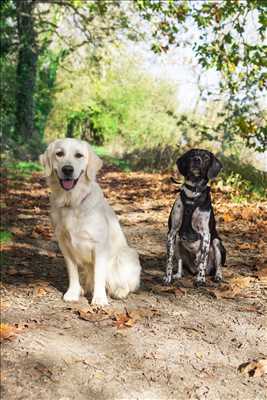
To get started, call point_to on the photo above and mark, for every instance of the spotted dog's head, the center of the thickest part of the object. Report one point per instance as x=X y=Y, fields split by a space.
x=197 y=164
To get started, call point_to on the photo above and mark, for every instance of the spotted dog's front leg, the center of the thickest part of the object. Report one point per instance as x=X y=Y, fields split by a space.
x=175 y=220
x=200 y=222
x=219 y=259
x=202 y=260
x=171 y=238
x=179 y=260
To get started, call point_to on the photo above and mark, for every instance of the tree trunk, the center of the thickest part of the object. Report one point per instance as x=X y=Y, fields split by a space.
x=26 y=70
x=70 y=128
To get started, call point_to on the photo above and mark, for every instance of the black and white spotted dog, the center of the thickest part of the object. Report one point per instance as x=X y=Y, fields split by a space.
x=192 y=238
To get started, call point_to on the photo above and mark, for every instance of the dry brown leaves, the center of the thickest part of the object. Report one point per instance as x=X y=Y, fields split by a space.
x=177 y=291
x=43 y=231
x=8 y=332
x=40 y=291
x=262 y=275
x=121 y=319
x=93 y=314
x=228 y=217
x=233 y=288
x=254 y=368
x=129 y=317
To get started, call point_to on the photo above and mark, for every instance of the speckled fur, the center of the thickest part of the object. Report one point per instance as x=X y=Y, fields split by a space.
x=206 y=254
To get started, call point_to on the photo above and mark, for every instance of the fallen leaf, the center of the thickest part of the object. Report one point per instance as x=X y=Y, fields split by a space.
x=228 y=217
x=41 y=291
x=7 y=332
x=262 y=275
x=241 y=281
x=123 y=320
x=163 y=289
x=92 y=314
x=41 y=230
x=180 y=292
x=247 y=213
x=254 y=368
x=247 y=246
x=232 y=288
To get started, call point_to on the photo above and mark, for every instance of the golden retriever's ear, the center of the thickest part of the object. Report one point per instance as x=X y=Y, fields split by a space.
x=45 y=160
x=94 y=164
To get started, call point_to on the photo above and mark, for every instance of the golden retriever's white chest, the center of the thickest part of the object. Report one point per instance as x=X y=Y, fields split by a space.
x=71 y=231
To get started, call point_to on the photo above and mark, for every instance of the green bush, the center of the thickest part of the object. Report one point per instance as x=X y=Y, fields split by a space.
x=126 y=104
x=5 y=236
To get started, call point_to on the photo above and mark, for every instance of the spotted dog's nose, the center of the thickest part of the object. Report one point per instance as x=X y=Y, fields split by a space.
x=68 y=170
x=197 y=160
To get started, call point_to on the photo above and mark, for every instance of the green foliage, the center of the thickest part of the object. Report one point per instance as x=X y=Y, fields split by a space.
x=224 y=43
x=7 y=68
x=19 y=170
x=137 y=110
x=24 y=167
x=5 y=236
x=126 y=105
x=109 y=159
x=246 y=181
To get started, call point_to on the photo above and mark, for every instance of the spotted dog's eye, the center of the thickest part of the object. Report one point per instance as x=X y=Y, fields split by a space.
x=60 y=153
x=78 y=155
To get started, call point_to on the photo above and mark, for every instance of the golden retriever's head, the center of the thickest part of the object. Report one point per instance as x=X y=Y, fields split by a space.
x=68 y=160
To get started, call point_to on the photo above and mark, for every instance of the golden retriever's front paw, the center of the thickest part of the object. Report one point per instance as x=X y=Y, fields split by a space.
x=99 y=301
x=72 y=295
x=120 y=293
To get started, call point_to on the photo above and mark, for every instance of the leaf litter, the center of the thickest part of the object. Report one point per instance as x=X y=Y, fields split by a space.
x=243 y=232
x=120 y=319
x=255 y=368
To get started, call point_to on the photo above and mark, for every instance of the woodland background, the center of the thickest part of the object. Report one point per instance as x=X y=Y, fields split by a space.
x=85 y=69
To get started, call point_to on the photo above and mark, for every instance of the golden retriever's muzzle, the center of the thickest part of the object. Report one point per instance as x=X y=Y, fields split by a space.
x=68 y=182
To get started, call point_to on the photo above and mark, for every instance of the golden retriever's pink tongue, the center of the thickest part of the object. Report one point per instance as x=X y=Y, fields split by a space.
x=68 y=184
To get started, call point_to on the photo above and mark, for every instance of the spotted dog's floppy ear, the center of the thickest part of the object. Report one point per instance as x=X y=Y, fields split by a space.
x=45 y=160
x=182 y=164
x=214 y=168
x=93 y=165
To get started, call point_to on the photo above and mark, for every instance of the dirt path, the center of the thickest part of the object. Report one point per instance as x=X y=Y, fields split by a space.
x=180 y=343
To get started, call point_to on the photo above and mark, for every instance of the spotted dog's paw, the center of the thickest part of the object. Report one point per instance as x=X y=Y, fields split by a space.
x=200 y=283
x=167 y=279
x=218 y=278
x=177 y=276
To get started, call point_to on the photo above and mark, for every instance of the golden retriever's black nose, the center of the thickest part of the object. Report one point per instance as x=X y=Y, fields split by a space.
x=68 y=170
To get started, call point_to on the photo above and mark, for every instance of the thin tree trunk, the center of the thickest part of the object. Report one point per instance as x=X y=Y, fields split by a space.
x=26 y=69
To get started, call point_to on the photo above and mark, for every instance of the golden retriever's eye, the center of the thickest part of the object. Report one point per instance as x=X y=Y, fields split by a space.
x=78 y=155
x=60 y=153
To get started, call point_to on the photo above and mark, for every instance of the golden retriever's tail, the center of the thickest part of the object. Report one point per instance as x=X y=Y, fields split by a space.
x=124 y=274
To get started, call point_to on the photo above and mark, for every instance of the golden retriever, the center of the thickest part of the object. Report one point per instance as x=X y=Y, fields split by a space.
x=95 y=249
